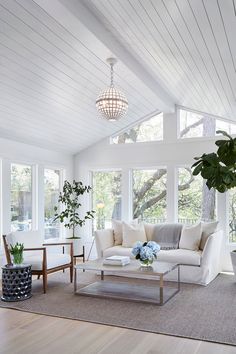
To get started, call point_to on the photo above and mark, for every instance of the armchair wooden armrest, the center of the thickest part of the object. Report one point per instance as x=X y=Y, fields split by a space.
x=58 y=244
x=35 y=249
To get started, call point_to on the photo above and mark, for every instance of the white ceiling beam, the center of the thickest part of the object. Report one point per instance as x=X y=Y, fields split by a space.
x=67 y=12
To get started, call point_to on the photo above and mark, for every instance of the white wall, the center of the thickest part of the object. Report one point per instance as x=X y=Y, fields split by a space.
x=170 y=153
x=10 y=152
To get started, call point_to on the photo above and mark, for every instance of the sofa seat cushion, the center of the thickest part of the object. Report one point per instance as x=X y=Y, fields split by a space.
x=180 y=256
x=117 y=251
x=53 y=260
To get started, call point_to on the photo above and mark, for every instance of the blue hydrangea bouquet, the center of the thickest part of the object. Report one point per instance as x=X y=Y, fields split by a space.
x=146 y=252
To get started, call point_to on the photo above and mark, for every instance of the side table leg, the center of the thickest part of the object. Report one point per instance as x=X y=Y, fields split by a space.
x=178 y=277
x=83 y=257
x=75 y=281
x=102 y=275
x=161 y=289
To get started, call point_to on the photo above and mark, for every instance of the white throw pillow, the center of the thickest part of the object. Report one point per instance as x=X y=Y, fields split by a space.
x=118 y=230
x=191 y=237
x=132 y=234
x=208 y=228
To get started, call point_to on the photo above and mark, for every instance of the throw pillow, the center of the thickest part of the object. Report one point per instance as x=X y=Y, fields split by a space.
x=190 y=237
x=208 y=228
x=132 y=234
x=118 y=231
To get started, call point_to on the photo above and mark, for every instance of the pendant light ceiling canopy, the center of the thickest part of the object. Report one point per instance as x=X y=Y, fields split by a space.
x=112 y=103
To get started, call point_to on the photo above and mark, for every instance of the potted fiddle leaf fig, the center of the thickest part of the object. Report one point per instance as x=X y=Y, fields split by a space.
x=69 y=198
x=219 y=170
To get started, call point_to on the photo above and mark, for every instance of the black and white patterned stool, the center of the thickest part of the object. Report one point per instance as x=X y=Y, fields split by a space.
x=16 y=282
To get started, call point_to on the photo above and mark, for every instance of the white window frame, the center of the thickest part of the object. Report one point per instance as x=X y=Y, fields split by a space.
x=90 y=181
x=34 y=191
x=142 y=120
x=147 y=168
x=62 y=175
x=178 y=108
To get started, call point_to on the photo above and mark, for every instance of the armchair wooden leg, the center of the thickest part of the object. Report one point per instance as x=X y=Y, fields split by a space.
x=38 y=276
x=45 y=282
x=71 y=273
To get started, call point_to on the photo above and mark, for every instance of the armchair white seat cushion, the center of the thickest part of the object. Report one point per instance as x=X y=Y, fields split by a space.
x=53 y=260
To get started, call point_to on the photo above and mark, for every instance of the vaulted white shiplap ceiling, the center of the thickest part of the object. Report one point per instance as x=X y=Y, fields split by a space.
x=53 y=64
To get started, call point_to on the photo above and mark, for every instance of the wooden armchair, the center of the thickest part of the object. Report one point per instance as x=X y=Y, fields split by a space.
x=43 y=262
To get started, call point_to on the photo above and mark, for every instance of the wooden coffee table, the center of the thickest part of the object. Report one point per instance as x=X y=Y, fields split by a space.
x=158 y=293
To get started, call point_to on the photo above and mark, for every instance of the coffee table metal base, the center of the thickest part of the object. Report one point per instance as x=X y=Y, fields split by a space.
x=157 y=294
x=124 y=291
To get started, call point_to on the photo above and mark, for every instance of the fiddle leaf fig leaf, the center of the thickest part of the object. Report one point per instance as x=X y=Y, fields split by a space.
x=222 y=132
x=197 y=169
x=218 y=169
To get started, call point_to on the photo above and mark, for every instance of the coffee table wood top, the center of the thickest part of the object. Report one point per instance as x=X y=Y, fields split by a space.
x=157 y=268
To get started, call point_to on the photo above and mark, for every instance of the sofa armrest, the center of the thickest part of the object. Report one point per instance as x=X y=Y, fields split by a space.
x=211 y=255
x=103 y=239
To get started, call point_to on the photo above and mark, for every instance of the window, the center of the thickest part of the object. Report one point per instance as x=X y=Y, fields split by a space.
x=232 y=215
x=106 y=198
x=229 y=128
x=51 y=194
x=196 y=125
x=149 y=195
x=150 y=130
x=195 y=201
x=21 y=197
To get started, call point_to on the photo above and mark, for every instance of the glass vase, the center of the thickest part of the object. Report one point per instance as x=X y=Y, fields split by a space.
x=146 y=262
x=18 y=258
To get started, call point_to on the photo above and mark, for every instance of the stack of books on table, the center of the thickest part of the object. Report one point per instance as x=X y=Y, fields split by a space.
x=117 y=260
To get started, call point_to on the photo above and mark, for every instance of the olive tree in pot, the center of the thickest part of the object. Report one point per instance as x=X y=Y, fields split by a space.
x=219 y=170
x=69 y=199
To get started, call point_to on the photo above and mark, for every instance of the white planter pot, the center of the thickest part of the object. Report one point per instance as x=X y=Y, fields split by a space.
x=77 y=245
x=233 y=259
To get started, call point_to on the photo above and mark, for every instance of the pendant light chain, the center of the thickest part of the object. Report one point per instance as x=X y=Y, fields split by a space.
x=112 y=103
x=112 y=75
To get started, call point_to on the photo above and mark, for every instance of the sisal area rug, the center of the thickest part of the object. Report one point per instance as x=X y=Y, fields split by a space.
x=197 y=312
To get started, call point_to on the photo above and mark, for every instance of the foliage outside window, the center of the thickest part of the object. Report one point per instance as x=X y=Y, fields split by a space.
x=195 y=125
x=195 y=200
x=149 y=130
x=149 y=195
x=51 y=195
x=21 y=197
x=232 y=215
x=106 y=198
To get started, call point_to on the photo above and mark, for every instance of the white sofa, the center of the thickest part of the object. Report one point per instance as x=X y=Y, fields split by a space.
x=199 y=267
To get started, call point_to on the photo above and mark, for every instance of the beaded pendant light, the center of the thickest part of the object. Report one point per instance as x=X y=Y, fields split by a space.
x=112 y=103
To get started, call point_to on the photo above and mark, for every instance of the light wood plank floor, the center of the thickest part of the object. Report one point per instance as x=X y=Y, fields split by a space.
x=26 y=333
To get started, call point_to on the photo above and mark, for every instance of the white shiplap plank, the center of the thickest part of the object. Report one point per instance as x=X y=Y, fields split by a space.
x=207 y=64
x=204 y=23
x=57 y=35
x=139 y=40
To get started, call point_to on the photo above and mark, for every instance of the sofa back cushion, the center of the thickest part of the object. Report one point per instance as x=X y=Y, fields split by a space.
x=208 y=228
x=132 y=234
x=117 y=227
x=166 y=235
x=191 y=237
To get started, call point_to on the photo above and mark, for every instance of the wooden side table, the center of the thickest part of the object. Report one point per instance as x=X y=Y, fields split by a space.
x=16 y=282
